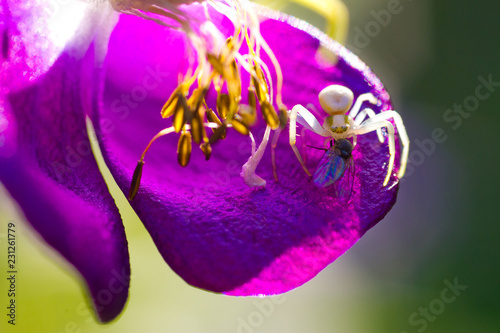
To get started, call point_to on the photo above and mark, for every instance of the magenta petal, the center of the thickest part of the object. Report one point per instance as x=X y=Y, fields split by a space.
x=46 y=162
x=53 y=176
x=213 y=230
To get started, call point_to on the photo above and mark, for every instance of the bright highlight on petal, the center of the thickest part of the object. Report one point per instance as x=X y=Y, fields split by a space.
x=65 y=21
x=33 y=34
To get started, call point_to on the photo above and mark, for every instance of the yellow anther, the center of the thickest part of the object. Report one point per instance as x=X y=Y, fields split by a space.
x=270 y=115
x=233 y=107
x=230 y=44
x=169 y=107
x=206 y=148
x=197 y=98
x=219 y=133
x=252 y=101
x=197 y=127
x=260 y=84
x=216 y=63
x=232 y=77
x=223 y=105
x=283 y=116
x=212 y=117
x=181 y=113
x=136 y=180
x=239 y=125
x=184 y=148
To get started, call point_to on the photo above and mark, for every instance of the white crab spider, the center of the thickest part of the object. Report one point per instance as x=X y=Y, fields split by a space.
x=336 y=100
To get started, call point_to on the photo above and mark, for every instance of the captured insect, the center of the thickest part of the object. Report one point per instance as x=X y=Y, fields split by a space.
x=336 y=167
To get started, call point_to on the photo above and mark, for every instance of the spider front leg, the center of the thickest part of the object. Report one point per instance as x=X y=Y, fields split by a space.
x=293 y=134
x=405 y=141
x=305 y=118
x=370 y=114
x=368 y=97
x=354 y=139
x=370 y=126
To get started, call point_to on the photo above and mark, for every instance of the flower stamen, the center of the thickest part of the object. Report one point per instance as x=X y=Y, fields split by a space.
x=219 y=62
x=184 y=148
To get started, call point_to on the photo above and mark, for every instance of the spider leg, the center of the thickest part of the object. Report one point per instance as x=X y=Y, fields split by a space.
x=405 y=141
x=367 y=112
x=304 y=144
x=368 y=97
x=300 y=115
x=307 y=119
x=352 y=135
x=372 y=125
x=293 y=136
x=312 y=107
x=354 y=140
x=327 y=143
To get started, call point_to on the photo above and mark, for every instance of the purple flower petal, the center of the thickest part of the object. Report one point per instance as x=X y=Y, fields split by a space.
x=46 y=162
x=213 y=230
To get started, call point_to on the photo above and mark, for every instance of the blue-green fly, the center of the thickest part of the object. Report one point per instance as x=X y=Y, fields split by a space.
x=336 y=167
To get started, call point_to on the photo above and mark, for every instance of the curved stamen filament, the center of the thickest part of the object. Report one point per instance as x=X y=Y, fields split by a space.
x=213 y=58
x=136 y=178
x=269 y=78
x=149 y=18
x=260 y=41
x=170 y=130
x=279 y=73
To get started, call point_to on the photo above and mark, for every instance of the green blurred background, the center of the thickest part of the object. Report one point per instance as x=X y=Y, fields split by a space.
x=444 y=226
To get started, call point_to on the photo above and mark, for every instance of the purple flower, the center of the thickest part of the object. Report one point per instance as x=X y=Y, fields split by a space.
x=212 y=229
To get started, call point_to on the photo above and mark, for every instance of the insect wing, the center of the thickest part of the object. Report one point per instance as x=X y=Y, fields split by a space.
x=330 y=168
x=343 y=186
